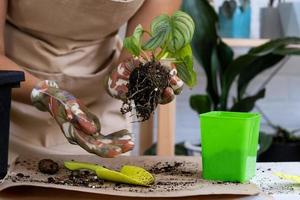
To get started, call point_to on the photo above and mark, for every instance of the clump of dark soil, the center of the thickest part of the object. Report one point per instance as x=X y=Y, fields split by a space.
x=146 y=85
x=48 y=166
x=175 y=168
x=166 y=167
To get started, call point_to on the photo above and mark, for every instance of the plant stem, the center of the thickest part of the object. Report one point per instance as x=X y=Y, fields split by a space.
x=145 y=31
x=145 y=55
x=161 y=53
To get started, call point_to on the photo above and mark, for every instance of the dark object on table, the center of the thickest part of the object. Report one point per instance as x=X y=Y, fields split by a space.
x=282 y=146
x=281 y=152
x=48 y=166
x=8 y=80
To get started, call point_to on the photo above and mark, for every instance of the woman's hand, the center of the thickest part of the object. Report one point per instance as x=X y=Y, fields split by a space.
x=119 y=78
x=78 y=124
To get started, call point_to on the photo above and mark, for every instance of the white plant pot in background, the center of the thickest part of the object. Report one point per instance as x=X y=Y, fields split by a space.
x=193 y=149
x=290 y=18
x=270 y=24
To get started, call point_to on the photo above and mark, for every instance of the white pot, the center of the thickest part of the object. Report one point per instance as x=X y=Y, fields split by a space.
x=290 y=18
x=193 y=149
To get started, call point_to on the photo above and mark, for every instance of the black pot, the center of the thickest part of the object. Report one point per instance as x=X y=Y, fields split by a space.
x=281 y=152
x=8 y=80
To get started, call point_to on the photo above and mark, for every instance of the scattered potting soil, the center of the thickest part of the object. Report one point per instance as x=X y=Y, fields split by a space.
x=170 y=176
x=48 y=166
x=145 y=88
x=81 y=178
x=267 y=184
x=170 y=168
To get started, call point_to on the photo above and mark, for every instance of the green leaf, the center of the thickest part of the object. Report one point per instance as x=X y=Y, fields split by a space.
x=248 y=103
x=265 y=141
x=205 y=38
x=182 y=29
x=187 y=75
x=222 y=56
x=225 y=56
x=160 y=30
x=253 y=68
x=175 y=32
x=258 y=59
x=133 y=43
x=215 y=67
x=233 y=70
x=287 y=51
x=200 y=103
x=184 y=66
x=138 y=33
x=272 y=45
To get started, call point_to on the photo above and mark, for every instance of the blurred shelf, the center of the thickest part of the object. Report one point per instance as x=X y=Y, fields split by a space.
x=249 y=43
x=244 y=43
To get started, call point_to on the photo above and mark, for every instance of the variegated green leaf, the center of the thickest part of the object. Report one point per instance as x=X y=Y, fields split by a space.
x=184 y=66
x=138 y=32
x=133 y=43
x=182 y=30
x=173 y=32
x=160 y=29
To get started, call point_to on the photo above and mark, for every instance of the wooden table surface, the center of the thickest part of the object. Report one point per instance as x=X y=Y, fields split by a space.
x=272 y=187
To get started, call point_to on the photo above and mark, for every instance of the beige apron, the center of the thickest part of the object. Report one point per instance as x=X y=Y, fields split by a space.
x=75 y=43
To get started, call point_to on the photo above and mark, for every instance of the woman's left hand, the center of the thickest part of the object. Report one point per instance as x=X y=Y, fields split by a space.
x=78 y=124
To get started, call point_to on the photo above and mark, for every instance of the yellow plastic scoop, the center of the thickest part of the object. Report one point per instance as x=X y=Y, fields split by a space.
x=288 y=177
x=128 y=174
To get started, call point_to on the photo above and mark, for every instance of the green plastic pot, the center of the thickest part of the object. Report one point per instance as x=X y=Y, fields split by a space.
x=229 y=145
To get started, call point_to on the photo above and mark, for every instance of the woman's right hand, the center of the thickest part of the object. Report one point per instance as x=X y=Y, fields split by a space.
x=118 y=80
x=77 y=123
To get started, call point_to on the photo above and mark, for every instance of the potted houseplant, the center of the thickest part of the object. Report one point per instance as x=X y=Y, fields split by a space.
x=222 y=69
x=270 y=24
x=235 y=18
x=8 y=80
x=279 y=146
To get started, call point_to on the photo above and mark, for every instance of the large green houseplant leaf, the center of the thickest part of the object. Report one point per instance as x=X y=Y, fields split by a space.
x=222 y=70
x=205 y=36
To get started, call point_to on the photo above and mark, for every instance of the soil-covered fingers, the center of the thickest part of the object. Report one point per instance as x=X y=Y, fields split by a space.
x=99 y=146
x=167 y=96
x=175 y=88
x=122 y=139
x=175 y=82
x=119 y=77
